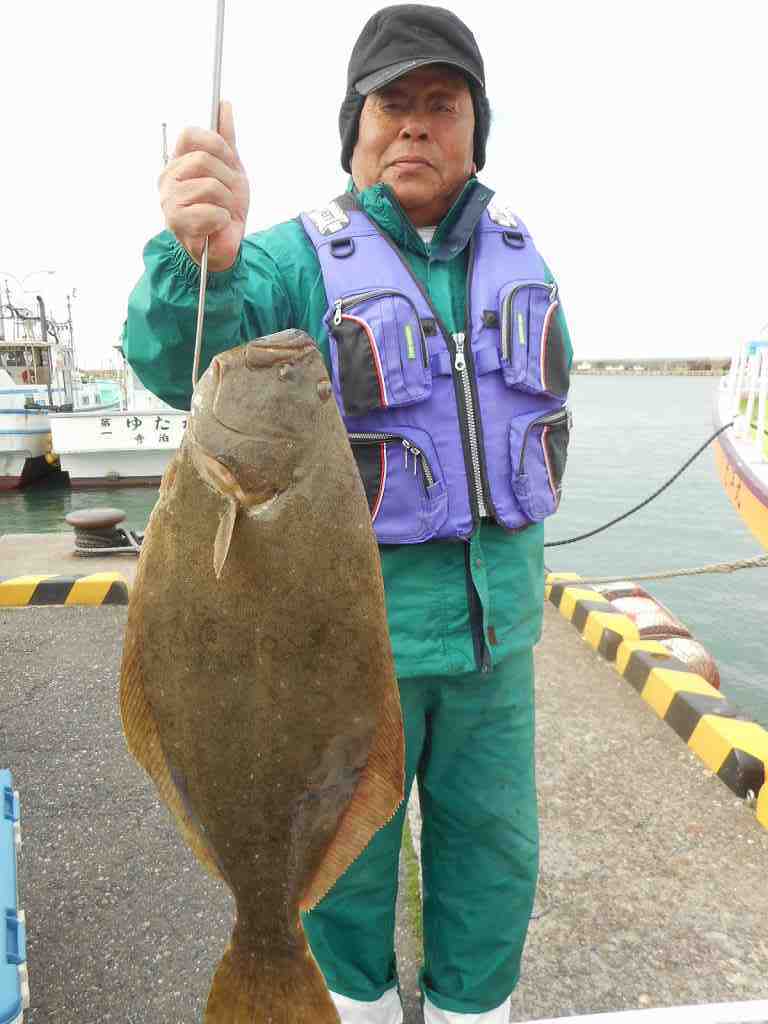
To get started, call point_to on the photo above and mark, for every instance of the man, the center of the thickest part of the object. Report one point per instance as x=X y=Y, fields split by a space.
x=449 y=356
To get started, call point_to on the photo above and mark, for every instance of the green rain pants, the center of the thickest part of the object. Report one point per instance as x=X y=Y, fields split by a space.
x=470 y=743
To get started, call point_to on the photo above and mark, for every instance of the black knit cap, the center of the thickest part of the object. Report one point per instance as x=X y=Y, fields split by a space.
x=399 y=39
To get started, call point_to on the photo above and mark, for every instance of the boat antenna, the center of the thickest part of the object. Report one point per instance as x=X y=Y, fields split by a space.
x=218 y=46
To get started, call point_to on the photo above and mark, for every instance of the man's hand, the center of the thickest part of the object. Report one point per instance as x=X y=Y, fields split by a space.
x=204 y=192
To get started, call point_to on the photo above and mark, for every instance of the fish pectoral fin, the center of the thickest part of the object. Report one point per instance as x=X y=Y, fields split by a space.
x=374 y=803
x=224 y=536
x=143 y=739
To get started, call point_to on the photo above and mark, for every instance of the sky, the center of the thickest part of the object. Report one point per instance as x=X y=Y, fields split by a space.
x=629 y=136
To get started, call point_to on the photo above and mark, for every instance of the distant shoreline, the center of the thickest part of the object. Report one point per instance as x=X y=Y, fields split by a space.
x=665 y=366
x=672 y=372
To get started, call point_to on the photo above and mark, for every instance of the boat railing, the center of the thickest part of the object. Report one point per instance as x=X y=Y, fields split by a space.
x=747 y=386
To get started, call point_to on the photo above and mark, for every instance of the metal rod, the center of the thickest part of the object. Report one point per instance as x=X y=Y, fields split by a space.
x=215 y=101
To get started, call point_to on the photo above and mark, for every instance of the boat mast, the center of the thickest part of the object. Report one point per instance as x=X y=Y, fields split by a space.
x=44 y=334
x=71 y=334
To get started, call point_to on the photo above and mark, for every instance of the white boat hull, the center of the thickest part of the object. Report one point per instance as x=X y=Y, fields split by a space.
x=25 y=436
x=117 y=448
x=11 y=469
x=117 y=469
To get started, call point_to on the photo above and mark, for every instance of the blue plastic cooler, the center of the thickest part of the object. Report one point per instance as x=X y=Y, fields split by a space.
x=14 y=991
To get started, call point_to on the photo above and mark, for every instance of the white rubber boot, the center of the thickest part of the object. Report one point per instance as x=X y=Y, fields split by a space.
x=385 y=1010
x=432 y=1015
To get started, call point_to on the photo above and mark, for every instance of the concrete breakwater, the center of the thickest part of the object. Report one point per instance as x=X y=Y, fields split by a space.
x=684 y=694
x=669 y=366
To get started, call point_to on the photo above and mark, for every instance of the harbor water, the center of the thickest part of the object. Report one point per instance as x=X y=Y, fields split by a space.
x=630 y=434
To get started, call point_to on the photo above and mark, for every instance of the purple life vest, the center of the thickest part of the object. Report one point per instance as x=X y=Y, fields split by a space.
x=445 y=429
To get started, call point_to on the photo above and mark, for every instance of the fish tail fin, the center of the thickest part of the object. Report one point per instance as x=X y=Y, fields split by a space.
x=280 y=988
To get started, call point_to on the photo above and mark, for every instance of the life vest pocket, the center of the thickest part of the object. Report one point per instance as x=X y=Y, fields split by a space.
x=379 y=354
x=538 y=449
x=532 y=347
x=403 y=482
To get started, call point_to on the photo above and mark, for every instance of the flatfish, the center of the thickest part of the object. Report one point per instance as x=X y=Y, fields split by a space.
x=257 y=684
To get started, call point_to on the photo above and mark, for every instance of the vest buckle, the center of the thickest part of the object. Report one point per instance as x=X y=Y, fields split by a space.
x=514 y=239
x=341 y=248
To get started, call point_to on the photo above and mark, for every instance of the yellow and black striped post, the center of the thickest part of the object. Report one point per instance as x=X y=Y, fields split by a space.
x=725 y=739
x=95 y=589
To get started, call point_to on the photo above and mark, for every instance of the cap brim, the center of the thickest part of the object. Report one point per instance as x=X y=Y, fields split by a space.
x=378 y=79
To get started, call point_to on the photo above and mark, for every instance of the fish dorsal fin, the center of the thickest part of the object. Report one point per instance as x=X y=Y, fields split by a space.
x=224 y=536
x=375 y=801
x=143 y=740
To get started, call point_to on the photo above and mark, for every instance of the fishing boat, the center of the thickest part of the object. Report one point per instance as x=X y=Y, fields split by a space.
x=741 y=451
x=127 y=447
x=35 y=376
x=25 y=436
x=38 y=376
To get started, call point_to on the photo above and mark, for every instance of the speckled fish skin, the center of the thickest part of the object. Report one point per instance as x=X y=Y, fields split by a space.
x=257 y=684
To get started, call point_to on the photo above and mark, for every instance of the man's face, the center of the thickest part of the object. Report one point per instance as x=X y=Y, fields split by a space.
x=417 y=136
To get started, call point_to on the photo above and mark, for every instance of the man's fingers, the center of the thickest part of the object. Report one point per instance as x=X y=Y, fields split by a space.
x=201 y=220
x=204 y=190
x=200 y=165
x=194 y=140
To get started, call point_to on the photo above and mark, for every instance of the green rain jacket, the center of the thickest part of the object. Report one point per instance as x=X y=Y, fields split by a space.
x=453 y=607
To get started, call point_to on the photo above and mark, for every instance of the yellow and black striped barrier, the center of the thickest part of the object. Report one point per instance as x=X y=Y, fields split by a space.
x=762 y=807
x=730 y=744
x=95 y=589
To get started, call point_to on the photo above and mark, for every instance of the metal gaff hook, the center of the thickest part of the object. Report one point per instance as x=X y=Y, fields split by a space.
x=216 y=99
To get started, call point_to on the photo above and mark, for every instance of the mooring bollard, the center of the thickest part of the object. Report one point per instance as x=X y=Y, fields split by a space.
x=97 y=532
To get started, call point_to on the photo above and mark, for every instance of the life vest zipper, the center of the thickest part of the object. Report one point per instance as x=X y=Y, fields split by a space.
x=409 y=447
x=352 y=300
x=460 y=366
x=473 y=424
x=549 y=420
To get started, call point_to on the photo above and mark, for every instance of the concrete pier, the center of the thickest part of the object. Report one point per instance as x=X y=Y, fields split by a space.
x=29 y=554
x=653 y=882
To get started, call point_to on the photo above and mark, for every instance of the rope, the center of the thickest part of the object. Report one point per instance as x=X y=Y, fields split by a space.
x=758 y=562
x=618 y=519
x=106 y=542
